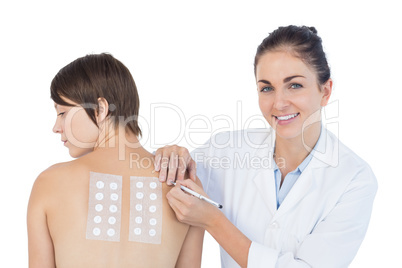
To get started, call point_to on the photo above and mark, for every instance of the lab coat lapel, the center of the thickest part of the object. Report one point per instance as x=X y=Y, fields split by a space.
x=263 y=178
x=265 y=184
x=325 y=154
x=301 y=188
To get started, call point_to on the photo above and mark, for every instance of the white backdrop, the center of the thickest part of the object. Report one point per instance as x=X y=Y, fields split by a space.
x=197 y=58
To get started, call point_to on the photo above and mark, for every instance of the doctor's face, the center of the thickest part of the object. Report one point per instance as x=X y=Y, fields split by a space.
x=289 y=95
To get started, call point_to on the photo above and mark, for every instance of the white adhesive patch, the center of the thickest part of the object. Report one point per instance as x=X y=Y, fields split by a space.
x=146 y=210
x=104 y=207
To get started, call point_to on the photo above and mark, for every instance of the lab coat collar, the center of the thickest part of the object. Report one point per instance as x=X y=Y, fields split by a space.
x=325 y=153
x=264 y=181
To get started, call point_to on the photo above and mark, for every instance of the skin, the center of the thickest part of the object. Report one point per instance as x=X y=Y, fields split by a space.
x=77 y=131
x=173 y=162
x=285 y=86
x=58 y=206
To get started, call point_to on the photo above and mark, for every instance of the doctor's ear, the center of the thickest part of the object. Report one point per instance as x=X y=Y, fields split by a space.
x=326 y=90
x=103 y=109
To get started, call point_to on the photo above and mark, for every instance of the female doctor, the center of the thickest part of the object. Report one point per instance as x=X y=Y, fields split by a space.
x=293 y=195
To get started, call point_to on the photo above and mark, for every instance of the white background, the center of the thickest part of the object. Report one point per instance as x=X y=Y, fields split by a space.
x=197 y=56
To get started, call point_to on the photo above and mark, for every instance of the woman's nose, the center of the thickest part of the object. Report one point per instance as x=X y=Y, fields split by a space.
x=57 y=126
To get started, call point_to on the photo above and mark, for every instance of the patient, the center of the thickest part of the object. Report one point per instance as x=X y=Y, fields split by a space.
x=71 y=220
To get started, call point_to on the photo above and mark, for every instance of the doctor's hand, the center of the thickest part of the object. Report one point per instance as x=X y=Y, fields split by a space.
x=172 y=162
x=189 y=209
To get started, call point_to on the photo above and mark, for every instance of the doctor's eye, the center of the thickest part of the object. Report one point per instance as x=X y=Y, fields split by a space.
x=296 y=86
x=266 y=89
x=61 y=114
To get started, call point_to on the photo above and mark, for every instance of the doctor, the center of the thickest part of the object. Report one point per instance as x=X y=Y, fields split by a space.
x=293 y=195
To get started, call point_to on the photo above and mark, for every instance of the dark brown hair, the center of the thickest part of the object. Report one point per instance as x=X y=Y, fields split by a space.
x=304 y=42
x=100 y=75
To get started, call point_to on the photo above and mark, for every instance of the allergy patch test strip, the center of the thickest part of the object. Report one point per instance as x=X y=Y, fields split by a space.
x=188 y=190
x=145 y=210
x=104 y=207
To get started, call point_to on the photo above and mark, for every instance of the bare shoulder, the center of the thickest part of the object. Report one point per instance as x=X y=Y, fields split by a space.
x=44 y=185
x=56 y=168
x=42 y=190
x=60 y=169
x=46 y=176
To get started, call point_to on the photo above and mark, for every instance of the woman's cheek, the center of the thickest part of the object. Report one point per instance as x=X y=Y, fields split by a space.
x=81 y=131
x=266 y=109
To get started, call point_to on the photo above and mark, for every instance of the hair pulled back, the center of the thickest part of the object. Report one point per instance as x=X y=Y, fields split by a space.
x=304 y=42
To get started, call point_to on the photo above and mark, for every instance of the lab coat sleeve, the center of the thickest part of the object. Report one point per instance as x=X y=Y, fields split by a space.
x=200 y=156
x=261 y=256
x=335 y=240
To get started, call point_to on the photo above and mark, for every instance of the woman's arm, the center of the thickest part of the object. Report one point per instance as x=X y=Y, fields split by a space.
x=40 y=245
x=196 y=212
x=235 y=243
x=191 y=250
x=333 y=242
x=172 y=162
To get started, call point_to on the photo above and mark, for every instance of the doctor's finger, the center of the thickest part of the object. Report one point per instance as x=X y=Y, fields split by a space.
x=177 y=198
x=184 y=205
x=177 y=207
x=157 y=161
x=182 y=167
x=192 y=169
x=173 y=163
x=178 y=194
x=163 y=168
x=193 y=186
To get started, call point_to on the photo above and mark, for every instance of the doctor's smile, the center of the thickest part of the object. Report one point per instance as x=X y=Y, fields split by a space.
x=286 y=119
x=293 y=82
x=288 y=195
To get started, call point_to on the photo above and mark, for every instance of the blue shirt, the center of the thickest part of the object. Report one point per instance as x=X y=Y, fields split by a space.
x=290 y=179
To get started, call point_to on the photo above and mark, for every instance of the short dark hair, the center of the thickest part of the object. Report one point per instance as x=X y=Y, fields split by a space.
x=302 y=40
x=99 y=75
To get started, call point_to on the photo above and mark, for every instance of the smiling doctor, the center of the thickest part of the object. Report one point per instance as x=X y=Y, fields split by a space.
x=292 y=195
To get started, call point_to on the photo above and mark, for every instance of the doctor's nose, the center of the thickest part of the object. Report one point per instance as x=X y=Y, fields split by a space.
x=281 y=101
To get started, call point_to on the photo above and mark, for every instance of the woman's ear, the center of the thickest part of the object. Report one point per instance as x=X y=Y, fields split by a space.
x=103 y=108
x=326 y=91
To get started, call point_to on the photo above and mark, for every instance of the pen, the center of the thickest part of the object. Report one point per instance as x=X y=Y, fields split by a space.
x=184 y=188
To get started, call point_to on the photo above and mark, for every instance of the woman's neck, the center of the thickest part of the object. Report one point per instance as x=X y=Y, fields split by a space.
x=290 y=153
x=115 y=138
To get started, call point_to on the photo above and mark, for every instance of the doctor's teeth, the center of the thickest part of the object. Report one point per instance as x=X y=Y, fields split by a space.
x=287 y=117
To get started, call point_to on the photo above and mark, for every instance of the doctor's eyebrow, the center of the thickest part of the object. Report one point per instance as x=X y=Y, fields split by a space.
x=264 y=81
x=285 y=80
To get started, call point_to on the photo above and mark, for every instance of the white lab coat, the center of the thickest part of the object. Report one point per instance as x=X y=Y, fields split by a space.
x=322 y=221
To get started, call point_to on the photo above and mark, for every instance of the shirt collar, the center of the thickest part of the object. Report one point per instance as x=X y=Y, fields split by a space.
x=306 y=160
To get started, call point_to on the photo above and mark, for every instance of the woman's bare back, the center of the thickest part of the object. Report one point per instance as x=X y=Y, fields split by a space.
x=62 y=195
